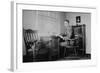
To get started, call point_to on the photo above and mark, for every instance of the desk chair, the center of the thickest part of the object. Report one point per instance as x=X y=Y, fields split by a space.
x=69 y=44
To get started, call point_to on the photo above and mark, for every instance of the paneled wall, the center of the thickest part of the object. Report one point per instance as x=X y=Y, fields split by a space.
x=45 y=22
x=48 y=22
x=29 y=19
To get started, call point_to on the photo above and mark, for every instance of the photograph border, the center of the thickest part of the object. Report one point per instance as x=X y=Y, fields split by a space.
x=16 y=35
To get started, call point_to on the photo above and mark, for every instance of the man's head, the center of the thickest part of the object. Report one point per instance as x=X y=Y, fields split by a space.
x=66 y=23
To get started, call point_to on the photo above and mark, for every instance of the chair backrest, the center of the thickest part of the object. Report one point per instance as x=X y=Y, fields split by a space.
x=30 y=38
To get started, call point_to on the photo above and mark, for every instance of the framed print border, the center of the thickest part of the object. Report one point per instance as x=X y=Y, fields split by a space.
x=16 y=36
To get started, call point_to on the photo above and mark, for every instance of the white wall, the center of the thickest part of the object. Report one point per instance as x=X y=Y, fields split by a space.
x=85 y=19
x=48 y=22
x=62 y=19
x=41 y=20
x=29 y=19
x=29 y=22
x=45 y=22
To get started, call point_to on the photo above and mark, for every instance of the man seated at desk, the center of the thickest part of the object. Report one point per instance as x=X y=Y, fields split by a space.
x=64 y=37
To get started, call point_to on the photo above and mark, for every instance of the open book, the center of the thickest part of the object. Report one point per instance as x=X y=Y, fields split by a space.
x=60 y=36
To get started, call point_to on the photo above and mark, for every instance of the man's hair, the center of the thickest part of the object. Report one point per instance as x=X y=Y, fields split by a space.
x=67 y=20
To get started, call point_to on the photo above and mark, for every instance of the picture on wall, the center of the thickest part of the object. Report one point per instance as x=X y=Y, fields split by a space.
x=51 y=36
x=55 y=36
x=78 y=19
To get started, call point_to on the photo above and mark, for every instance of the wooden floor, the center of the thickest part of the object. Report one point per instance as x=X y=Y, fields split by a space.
x=30 y=59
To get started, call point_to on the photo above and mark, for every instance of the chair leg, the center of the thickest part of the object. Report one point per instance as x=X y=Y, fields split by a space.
x=75 y=51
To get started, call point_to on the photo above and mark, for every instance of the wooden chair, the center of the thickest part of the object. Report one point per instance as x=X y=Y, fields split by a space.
x=31 y=39
x=70 y=47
